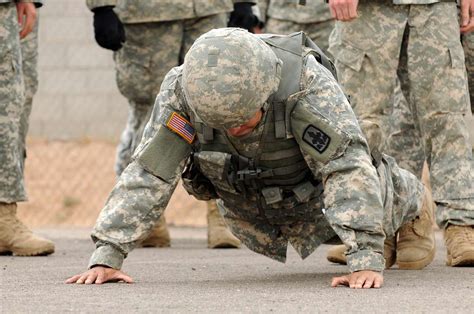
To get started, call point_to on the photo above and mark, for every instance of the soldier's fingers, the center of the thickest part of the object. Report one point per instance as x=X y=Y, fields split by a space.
x=378 y=281
x=368 y=283
x=100 y=278
x=81 y=279
x=360 y=282
x=30 y=19
x=353 y=279
x=336 y=281
x=352 y=11
x=333 y=12
x=118 y=275
x=465 y=16
x=73 y=279
x=345 y=12
x=91 y=278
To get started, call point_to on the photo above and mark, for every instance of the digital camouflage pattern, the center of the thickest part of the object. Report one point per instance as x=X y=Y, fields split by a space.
x=354 y=190
x=369 y=47
x=145 y=11
x=29 y=53
x=286 y=17
x=227 y=76
x=468 y=45
x=150 y=51
x=11 y=101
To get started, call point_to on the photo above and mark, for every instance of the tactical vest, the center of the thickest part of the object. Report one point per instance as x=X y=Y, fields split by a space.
x=276 y=179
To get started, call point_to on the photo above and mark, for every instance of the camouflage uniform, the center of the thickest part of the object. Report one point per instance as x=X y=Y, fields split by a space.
x=284 y=17
x=158 y=33
x=15 y=237
x=367 y=48
x=29 y=53
x=12 y=188
x=468 y=44
x=361 y=203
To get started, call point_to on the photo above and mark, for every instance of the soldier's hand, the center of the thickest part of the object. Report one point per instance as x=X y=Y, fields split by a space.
x=108 y=29
x=362 y=279
x=243 y=16
x=344 y=10
x=26 y=17
x=99 y=275
x=467 y=16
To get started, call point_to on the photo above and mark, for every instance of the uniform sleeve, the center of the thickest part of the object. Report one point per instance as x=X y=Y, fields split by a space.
x=140 y=195
x=352 y=194
x=92 y=4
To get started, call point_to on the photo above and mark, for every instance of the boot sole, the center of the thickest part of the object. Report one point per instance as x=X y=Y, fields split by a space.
x=463 y=260
x=32 y=253
x=224 y=245
x=157 y=245
x=416 y=265
x=336 y=260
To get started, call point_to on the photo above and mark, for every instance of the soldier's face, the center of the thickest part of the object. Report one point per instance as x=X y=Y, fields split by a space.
x=247 y=127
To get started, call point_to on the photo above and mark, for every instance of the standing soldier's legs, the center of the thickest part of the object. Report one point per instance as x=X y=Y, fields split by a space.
x=439 y=91
x=15 y=237
x=139 y=75
x=404 y=142
x=218 y=235
x=29 y=53
x=367 y=56
x=468 y=45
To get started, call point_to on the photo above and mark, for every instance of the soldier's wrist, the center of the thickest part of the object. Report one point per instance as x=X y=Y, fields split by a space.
x=107 y=256
x=365 y=260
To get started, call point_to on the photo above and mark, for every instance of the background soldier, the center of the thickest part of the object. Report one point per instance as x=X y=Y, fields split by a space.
x=155 y=36
x=15 y=237
x=467 y=40
x=271 y=147
x=29 y=55
x=426 y=35
x=285 y=17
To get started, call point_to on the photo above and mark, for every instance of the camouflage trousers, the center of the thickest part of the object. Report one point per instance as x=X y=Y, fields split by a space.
x=29 y=53
x=468 y=44
x=318 y=32
x=367 y=54
x=150 y=51
x=11 y=101
x=402 y=195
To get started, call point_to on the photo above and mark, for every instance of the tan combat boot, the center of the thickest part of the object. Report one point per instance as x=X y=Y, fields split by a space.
x=416 y=245
x=159 y=235
x=218 y=236
x=460 y=245
x=336 y=253
x=16 y=238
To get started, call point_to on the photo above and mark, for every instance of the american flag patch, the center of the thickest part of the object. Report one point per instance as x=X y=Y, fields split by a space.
x=181 y=126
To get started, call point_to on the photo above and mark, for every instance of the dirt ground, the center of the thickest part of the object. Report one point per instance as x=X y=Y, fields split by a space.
x=69 y=181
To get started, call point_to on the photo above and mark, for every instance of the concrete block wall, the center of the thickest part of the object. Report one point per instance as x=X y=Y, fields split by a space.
x=77 y=95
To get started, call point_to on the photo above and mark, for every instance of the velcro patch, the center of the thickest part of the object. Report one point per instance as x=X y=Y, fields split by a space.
x=316 y=138
x=181 y=126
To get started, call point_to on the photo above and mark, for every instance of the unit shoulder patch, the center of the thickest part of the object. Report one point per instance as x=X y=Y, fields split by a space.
x=181 y=126
x=316 y=138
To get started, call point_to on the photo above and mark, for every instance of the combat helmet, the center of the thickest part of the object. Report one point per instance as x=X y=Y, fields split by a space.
x=228 y=74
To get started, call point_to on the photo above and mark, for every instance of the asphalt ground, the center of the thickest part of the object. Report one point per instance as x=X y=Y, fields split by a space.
x=188 y=277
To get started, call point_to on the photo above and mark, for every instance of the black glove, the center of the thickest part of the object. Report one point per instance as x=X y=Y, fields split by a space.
x=243 y=17
x=108 y=30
